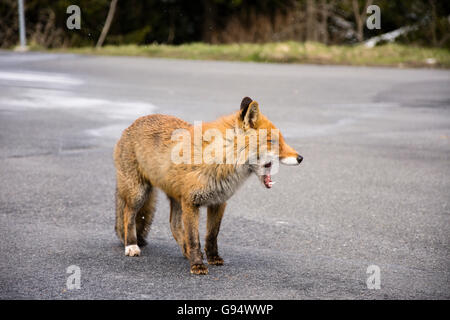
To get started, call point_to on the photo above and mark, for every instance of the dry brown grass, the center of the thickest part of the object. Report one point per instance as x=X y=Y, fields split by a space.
x=393 y=55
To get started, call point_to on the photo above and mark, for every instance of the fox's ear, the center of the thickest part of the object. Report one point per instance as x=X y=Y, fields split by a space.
x=251 y=116
x=244 y=105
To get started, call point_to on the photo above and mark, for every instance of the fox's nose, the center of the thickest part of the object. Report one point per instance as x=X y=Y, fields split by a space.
x=299 y=159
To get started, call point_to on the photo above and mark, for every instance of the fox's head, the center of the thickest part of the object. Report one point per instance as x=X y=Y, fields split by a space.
x=271 y=145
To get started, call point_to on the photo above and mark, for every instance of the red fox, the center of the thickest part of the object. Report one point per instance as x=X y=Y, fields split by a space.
x=148 y=157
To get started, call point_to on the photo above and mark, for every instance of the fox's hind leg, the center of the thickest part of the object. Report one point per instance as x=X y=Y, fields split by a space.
x=131 y=195
x=214 y=218
x=131 y=247
x=120 y=206
x=144 y=217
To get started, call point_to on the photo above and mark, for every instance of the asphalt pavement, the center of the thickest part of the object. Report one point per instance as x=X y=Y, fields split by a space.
x=373 y=188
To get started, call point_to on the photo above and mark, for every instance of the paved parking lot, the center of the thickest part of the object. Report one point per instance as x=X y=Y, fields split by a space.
x=373 y=188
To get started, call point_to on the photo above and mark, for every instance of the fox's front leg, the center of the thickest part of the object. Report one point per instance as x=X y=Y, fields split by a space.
x=215 y=214
x=190 y=217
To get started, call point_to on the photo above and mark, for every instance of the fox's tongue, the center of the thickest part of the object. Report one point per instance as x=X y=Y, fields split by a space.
x=268 y=181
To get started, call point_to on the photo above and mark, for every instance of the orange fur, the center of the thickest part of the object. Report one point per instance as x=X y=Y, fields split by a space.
x=143 y=160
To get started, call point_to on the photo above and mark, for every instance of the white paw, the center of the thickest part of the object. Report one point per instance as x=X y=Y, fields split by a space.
x=132 y=250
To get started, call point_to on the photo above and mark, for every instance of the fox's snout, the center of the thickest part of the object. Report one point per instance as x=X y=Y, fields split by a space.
x=292 y=161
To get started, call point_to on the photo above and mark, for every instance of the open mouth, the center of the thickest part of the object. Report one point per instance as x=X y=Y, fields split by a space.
x=266 y=177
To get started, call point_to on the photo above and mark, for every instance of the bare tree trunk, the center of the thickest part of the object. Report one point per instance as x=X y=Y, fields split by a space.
x=209 y=12
x=360 y=18
x=109 y=18
x=433 y=22
x=324 y=21
x=359 y=29
x=171 y=34
x=311 y=21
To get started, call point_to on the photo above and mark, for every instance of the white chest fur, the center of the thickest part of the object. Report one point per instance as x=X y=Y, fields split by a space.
x=219 y=190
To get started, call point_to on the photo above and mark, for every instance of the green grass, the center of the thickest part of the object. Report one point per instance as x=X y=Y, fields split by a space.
x=394 y=55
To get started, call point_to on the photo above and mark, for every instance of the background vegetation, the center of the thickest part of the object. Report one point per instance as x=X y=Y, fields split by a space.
x=256 y=30
x=221 y=21
x=393 y=55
